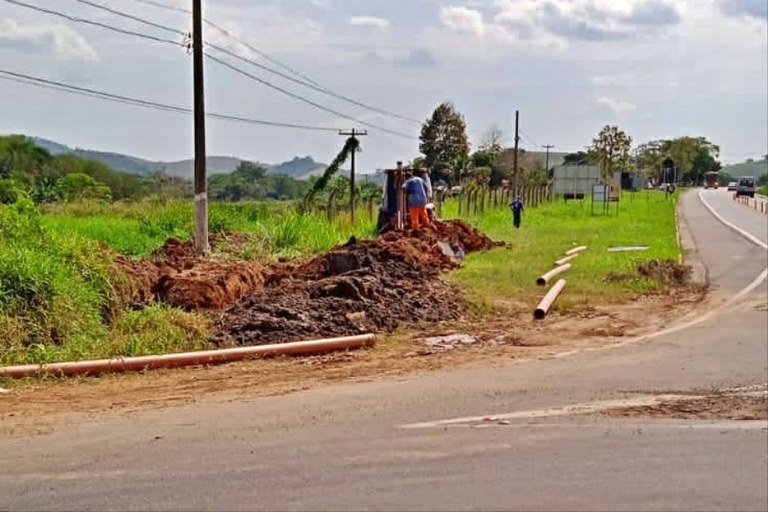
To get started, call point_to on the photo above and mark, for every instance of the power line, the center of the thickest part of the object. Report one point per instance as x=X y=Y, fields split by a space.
x=94 y=93
x=215 y=59
x=77 y=19
x=303 y=99
x=304 y=81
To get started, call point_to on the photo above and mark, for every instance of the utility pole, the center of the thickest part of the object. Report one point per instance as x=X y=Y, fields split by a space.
x=546 y=165
x=201 y=182
x=517 y=140
x=354 y=134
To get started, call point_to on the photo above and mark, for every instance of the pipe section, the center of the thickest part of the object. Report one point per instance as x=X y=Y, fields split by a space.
x=576 y=249
x=544 y=279
x=543 y=308
x=203 y=357
x=563 y=261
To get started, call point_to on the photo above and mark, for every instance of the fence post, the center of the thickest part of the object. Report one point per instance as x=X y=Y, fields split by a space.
x=459 y=199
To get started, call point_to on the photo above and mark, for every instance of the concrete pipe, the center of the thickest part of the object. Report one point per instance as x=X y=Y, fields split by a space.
x=544 y=279
x=563 y=261
x=543 y=308
x=576 y=249
x=203 y=357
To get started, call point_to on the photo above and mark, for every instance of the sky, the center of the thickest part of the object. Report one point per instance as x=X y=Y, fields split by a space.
x=656 y=68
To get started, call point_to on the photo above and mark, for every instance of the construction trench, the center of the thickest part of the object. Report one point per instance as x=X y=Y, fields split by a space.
x=358 y=287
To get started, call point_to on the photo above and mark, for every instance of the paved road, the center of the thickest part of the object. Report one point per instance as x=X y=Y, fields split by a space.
x=345 y=448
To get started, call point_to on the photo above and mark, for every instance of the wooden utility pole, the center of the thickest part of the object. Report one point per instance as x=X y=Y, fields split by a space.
x=201 y=181
x=354 y=134
x=517 y=140
x=546 y=165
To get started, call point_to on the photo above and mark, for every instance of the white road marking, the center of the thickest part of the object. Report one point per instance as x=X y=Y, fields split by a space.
x=582 y=408
x=734 y=227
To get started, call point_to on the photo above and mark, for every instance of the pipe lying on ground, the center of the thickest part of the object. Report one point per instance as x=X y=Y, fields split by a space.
x=563 y=261
x=544 y=279
x=543 y=308
x=576 y=249
x=203 y=357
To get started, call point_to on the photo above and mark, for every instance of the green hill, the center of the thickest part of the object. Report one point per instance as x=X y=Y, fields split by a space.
x=756 y=168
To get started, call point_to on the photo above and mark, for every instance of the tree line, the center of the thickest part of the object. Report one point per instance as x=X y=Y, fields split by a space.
x=27 y=169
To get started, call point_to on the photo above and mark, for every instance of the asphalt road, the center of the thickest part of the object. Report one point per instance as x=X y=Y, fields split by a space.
x=348 y=447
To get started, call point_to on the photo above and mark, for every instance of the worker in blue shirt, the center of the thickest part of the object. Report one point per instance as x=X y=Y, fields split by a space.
x=517 y=210
x=416 y=194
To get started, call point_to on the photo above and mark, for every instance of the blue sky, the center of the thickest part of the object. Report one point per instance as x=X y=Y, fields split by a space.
x=657 y=68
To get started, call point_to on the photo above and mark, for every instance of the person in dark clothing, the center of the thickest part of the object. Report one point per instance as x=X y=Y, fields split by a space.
x=517 y=211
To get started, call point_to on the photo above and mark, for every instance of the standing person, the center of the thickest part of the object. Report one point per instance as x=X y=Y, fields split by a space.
x=517 y=210
x=416 y=192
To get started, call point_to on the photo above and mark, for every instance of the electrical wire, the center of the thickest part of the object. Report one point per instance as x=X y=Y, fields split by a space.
x=117 y=98
x=303 y=81
x=77 y=19
x=215 y=59
x=303 y=99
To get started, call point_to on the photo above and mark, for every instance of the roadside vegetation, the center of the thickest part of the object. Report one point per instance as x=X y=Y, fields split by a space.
x=504 y=279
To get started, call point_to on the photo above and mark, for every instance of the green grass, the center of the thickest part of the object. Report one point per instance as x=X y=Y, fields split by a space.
x=763 y=190
x=137 y=229
x=504 y=279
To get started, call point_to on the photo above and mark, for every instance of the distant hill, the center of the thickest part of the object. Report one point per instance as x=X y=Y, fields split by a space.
x=755 y=168
x=298 y=167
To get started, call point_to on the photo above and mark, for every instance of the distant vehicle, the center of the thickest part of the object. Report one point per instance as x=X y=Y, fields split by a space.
x=746 y=186
x=711 y=180
x=732 y=186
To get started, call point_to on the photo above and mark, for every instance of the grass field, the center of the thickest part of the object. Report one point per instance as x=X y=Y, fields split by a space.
x=58 y=288
x=763 y=190
x=504 y=279
x=136 y=229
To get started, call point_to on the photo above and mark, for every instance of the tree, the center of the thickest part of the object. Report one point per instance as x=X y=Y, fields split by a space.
x=444 y=142
x=491 y=141
x=579 y=158
x=78 y=186
x=693 y=157
x=611 y=150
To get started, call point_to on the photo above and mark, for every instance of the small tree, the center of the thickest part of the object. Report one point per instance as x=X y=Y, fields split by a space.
x=444 y=142
x=611 y=150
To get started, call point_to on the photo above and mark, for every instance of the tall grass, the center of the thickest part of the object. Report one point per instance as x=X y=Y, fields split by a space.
x=276 y=228
x=58 y=299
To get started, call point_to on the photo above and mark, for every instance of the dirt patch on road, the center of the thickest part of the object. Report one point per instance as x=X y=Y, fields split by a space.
x=749 y=403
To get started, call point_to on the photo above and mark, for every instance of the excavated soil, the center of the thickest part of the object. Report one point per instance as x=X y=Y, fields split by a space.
x=174 y=276
x=361 y=286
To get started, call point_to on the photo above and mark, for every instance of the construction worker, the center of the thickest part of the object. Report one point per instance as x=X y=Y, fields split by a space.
x=517 y=210
x=416 y=192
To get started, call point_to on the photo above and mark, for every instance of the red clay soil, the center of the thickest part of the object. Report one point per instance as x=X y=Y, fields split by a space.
x=361 y=286
x=174 y=276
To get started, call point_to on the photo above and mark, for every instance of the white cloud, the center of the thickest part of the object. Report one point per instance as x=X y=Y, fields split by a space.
x=463 y=19
x=369 y=21
x=37 y=38
x=617 y=107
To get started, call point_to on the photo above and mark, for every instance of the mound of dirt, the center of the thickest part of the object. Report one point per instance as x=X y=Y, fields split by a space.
x=665 y=271
x=175 y=276
x=361 y=286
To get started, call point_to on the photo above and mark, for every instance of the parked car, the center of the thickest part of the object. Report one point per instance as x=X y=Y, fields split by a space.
x=732 y=186
x=746 y=186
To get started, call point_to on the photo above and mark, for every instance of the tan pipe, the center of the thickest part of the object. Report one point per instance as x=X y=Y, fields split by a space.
x=563 y=261
x=576 y=249
x=125 y=364
x=544 y=279
x=543 y=308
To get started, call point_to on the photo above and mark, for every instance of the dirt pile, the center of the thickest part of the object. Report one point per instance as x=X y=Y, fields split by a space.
x=361 y=286
x=665 y=271
x=174 y=275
